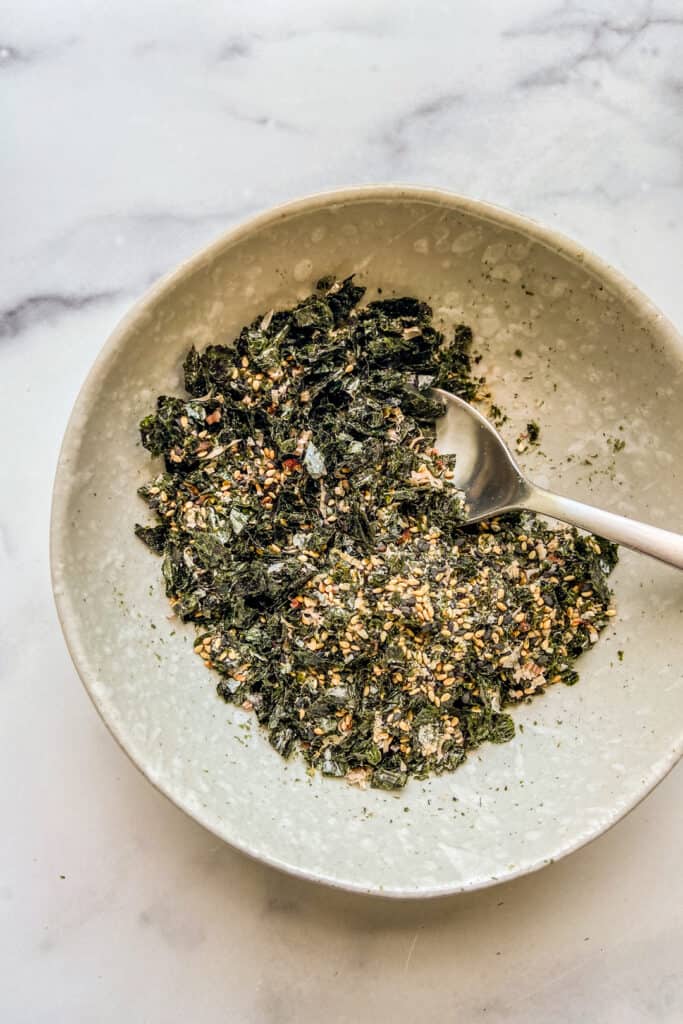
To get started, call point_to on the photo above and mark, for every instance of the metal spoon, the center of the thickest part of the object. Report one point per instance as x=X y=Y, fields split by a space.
x=492 y=482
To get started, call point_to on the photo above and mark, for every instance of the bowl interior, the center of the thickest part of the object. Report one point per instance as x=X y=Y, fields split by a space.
x=597 y=367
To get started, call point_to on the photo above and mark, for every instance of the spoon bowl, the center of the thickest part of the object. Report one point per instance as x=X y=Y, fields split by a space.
x=485 y=469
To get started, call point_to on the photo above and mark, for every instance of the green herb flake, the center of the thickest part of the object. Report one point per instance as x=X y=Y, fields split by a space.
x=311 y=532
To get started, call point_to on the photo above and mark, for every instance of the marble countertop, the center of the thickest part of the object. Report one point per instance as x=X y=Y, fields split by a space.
x=134 y=134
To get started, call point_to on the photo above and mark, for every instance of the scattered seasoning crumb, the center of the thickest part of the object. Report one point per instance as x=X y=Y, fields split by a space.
x=310 y=531
x=529 y=436
x=620 y=655
x=497 y=416
x=519 y=353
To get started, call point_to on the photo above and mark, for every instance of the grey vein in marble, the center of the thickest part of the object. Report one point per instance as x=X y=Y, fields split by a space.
x=10 y=55
x=599 y=38
x=428 y=112
x=41 y=308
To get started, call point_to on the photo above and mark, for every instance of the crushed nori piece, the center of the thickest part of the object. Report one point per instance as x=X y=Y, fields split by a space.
x=155 y=537
x=312 y=534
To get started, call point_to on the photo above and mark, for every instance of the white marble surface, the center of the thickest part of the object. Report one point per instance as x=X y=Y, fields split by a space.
x=133 y=134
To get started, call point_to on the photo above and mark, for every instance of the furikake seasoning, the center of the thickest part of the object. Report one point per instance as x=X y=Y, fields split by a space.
x=310 y=532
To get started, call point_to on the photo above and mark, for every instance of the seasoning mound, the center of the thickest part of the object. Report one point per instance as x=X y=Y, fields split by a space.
x=312 y=534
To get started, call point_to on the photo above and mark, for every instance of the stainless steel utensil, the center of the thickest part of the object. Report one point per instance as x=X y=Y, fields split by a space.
x=493 y=483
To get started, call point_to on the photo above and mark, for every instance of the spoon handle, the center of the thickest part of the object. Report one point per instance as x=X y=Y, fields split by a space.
x=650 y=540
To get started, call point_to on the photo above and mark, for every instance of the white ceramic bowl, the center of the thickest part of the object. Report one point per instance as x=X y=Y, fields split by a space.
x=598 y=363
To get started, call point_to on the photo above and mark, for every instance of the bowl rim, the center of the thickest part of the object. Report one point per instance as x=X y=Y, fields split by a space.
x=67 y=616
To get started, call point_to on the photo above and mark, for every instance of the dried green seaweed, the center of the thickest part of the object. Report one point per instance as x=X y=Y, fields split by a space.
x=312 y=534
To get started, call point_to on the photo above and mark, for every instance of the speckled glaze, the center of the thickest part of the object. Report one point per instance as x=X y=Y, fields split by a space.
x=598 y=364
